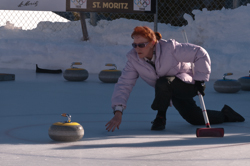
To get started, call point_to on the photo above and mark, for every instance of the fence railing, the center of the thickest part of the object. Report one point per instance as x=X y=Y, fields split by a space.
x=169 y=12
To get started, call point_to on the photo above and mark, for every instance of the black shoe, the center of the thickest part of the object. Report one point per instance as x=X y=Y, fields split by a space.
x=159 y=123
x=231 y=115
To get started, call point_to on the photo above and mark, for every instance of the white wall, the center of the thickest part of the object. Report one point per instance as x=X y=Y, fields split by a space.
x=36 y=5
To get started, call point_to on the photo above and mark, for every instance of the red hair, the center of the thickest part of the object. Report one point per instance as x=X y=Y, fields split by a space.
x=147 y=33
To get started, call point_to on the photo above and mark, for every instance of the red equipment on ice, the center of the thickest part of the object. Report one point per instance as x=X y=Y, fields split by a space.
x=208 y=131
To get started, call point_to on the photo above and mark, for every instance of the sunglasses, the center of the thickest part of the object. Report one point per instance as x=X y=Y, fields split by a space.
x=140 y=45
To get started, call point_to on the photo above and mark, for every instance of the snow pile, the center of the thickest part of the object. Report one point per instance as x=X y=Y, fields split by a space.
x=224 y=34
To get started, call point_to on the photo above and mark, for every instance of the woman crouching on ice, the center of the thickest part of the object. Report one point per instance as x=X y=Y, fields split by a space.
x=166 y=66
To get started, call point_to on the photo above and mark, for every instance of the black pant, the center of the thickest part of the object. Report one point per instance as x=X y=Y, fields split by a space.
x=181 y=94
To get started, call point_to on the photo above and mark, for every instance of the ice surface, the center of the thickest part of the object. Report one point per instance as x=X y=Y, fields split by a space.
x=33 y=102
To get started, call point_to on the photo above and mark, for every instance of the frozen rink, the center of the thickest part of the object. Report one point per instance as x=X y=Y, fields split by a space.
x=33 y=102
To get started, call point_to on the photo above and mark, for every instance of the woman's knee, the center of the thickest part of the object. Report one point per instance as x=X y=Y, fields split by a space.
x=164 y=83
x=189 y=110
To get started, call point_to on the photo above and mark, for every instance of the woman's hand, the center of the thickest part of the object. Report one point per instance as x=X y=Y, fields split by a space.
x=200 y=85
x=114 y=122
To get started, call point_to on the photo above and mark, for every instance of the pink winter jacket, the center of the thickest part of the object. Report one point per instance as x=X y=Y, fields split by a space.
x=171 y=59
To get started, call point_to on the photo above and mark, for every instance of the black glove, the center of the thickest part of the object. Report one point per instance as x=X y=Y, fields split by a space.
x=200 y=85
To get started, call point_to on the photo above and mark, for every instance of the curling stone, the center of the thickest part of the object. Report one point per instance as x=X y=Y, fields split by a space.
x=110 y=75
x=7 y=77
x=227 y=85
x=66 y=131
x=75 y=74
x=245 y=82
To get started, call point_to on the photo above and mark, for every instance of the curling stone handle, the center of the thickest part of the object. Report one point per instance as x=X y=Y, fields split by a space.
x=227 y=74
x=67 y=115
x=76 y=63
x=111 y=64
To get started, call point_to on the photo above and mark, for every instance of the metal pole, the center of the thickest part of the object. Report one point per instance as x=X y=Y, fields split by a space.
x=84 y=27
x=156 y=16
x=93 y=18
x=235 y=4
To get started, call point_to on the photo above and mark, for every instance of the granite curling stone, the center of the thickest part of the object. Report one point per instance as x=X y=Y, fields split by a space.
x=110 y=75
x=245 y=83
x=227 y=85
x=66 y=131
x=7 y=77
x=75 y=74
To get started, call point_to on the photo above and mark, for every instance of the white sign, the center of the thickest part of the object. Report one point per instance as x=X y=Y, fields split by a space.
x=142 y=5
x=36 y=5
x=78 y=4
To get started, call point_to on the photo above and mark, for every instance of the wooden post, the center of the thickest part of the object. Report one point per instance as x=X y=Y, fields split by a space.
x=84 y=27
